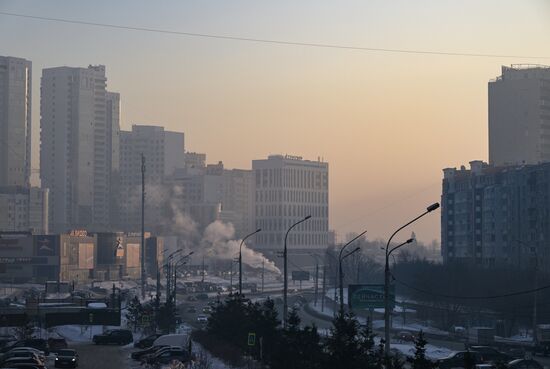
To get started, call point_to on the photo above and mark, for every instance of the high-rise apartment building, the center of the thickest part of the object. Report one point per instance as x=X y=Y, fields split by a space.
x=496 y=215
x=163 y=152
x=519 y=116
x=15 y=121
x=287 y=189
x=78 y=126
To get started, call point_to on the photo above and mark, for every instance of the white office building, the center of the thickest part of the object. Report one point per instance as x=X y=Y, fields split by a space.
x=15 y=121
x=287 y=189
x=78 y=134
x=519 y=116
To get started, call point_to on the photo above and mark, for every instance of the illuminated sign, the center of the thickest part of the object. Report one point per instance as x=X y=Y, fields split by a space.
x=78 y=233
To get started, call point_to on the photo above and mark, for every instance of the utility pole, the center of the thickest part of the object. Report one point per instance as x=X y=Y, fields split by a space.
x=535 y=340
x=263 y=271
x=168 y=274
x=142 y=226
x=202 y=269
x=316 y=281
x=324 y=288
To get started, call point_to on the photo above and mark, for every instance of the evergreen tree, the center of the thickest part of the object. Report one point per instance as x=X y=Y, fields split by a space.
x=420 y=361
x=344 y=346
x=166 y=319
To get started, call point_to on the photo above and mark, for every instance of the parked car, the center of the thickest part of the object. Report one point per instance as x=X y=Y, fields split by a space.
x=490 y=354
x=459 y=360
x=202 y=318
x=148 y=357
x=66 y=358
x=115 y=336
x=21 y=360
x=138 y=355
x=56 y=344
x=169 y=356
x=27 y=366
x=38 y=353
x=524 y=364
x=18 y=354
x=36 y=343
x=147 y=341
x=207 y=309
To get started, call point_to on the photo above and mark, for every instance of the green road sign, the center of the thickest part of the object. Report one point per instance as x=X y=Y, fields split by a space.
x=251 y=339
x=369 y=296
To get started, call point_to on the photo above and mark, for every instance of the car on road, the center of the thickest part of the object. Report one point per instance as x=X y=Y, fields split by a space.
x=490 y=354
x=191 y=310
x=57 y=343
x=405 y=336
x=207 y=310
x=460 y=360
x=66 y=358
x=202 y=318
x=524 y=364
x=147 y=341
x=114 y=336
x=172 y=355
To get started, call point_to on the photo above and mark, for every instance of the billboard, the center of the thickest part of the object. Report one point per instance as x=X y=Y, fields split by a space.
x=46 y=246
x=132 y=255
x=300 y=275
x=85 y=256
x=369 y=296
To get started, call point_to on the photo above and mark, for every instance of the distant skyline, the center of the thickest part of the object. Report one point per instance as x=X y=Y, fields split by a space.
x=387 y=123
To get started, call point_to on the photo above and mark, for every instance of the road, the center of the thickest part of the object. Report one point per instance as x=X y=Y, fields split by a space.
x=94 y=357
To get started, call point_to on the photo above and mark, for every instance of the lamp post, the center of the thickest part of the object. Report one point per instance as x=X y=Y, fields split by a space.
x=241 y=259
x=285 y=254
x=340 y=274
x=182 y=260
x=340 y=259
x=335 y=299
x=315 y=256
x=429 y=209
x=535 y=287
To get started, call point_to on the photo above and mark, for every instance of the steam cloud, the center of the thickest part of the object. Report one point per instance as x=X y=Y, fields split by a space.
x=218 y=241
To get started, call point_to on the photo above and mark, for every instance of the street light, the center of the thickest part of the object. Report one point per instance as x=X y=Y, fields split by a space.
x=335 y=300
x=535 y=287
x=285 y=289
x=429 y=209
x=340 y=258
x=315 y=256
x=342 y=277
x=241 y=259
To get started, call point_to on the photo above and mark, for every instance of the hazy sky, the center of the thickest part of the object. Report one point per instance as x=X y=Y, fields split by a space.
x=387 y=123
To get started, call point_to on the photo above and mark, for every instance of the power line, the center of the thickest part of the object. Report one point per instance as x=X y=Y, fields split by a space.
x=489 y=297
x=273 y=41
